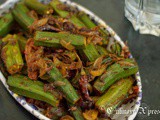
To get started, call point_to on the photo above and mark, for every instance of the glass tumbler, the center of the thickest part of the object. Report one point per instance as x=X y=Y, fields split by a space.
x=144 y=15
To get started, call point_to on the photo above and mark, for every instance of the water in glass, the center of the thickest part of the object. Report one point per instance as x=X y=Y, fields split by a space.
x=144 y=15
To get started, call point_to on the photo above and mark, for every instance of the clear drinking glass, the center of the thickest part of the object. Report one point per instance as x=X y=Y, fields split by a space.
x=144 y=15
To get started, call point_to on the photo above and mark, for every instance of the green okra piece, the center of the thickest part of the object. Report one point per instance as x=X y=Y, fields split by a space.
x=37 y=6
x=90 y=24
x=86 y=20
x=64 y=86
x=22 y=42
x=76 y=113
x=2 y=67
x=20 y=15
x=24 y=86
x=107 y=60
x=56 y=3
x=114 y=96
x=50 y=39
x=11 y=54
x=76 y=21
x=115 y=72
x=116 y=48
x=21 y=6
x=101 y=50
x=6 y=23
x=91 y=52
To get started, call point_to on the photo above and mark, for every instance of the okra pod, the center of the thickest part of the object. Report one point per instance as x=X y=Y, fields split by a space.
x=90 y=24
x=114 y=96
x=50 y=39
x=76 y=21
x=64 y=86
x=115 y=72
x=2 y=67
x=21 y=6
x=86 y=20
x=107 y=60
x=6 y=23
x=102 y=50
x=22 y=42
x=76 y=112
x=116 y=48
x=38 y=7
x=91 y=52
x=11 y=54
x=33 y=89
x=20 y=15
x=56 y=3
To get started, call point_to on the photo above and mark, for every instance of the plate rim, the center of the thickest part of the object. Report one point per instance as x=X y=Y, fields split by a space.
x=10 y=4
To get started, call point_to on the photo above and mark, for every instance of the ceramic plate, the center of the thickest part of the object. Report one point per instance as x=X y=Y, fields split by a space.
x=132 y=106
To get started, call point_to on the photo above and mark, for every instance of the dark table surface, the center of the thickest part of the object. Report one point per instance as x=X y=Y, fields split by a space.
x=145 y=49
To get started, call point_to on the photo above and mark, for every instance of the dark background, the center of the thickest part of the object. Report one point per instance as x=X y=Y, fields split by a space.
x=145 y=49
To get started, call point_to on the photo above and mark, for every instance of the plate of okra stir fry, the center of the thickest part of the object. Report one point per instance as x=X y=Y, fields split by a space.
x=60 y=61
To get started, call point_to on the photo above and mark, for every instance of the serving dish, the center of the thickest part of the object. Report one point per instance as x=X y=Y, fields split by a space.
x=132 y=106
